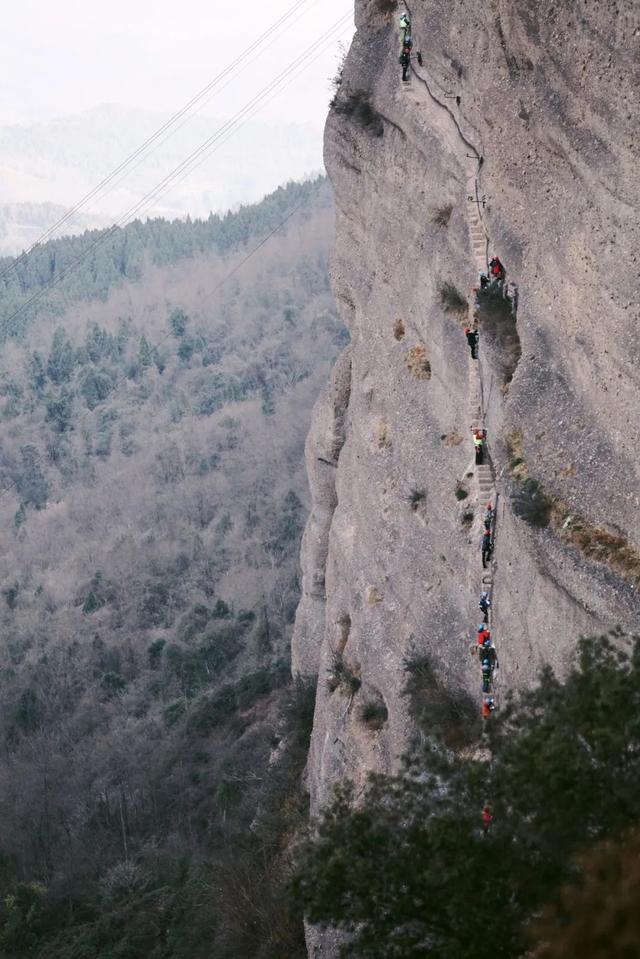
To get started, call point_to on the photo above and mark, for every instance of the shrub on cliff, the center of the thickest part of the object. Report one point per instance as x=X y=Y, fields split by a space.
x=358 y=107
x=452 y=300
x=407 y=870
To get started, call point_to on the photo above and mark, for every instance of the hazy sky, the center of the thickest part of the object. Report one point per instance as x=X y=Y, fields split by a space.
x=65 y=56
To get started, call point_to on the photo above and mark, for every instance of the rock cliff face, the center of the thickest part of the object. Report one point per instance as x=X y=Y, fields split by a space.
x=548 y=99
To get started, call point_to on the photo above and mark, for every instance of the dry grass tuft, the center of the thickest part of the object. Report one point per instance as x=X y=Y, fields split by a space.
x=418 y=364
x=442 y=214
x=358 y=107
x=538 y=507
x=467 y=519
x=374 y=596
x=373 y=714
x=597 y=544
x=383 y=436
x=453 y=301
x=398 y=329
x=417 y=499
x=343 y=676
x=461 y=492
x=515 y=450
x=451 y=439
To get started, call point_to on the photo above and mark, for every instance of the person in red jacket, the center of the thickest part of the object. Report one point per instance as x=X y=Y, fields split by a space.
x=487 y=819
x=496 y=270
x=484 y=636
x=488 y=705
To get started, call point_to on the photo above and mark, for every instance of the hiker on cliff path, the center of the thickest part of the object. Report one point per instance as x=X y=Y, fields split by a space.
x=487 y=819
x=487 y=547
x=472 y=339
x=488 y=706
x=485 y=605
x=405 y=22
x=489 y=659
x=483 y=634
x=405 y=62
x=479 y=437
x=497 y=270
x=489 y=517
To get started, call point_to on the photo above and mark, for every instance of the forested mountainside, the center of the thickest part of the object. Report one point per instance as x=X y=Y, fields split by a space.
x=88 y=266
x=56 y=161
x=21 y=224
x=153 y=496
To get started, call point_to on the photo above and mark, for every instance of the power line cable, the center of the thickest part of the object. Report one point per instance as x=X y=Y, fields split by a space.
x=285 y=18
x=242 y=121
x=184 y=167
x=173 y=131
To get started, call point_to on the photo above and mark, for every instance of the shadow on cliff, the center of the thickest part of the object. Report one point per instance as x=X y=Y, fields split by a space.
x=497 y=321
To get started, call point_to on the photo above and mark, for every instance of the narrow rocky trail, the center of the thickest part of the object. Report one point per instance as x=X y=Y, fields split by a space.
x=424 y=92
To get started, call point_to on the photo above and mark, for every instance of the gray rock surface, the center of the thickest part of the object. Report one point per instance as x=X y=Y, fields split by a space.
x=547 y=99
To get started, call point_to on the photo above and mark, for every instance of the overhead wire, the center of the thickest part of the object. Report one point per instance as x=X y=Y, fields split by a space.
x=200 y=153
x=238 y=65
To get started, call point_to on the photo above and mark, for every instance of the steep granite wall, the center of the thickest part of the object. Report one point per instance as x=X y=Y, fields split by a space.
x=391 y=567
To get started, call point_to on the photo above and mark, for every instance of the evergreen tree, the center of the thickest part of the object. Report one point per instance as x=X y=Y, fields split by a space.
x=32 y=482
x=61 y=358
x=178 y=321
x=36 y=372
x=406 y=868
x=145 y=355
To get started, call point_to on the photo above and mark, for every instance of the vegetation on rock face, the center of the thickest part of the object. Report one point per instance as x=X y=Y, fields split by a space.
x=442 y=214
x=407 y=870
x=453 y=301
x=152 y=468
x=358 y=107
x=538 y=507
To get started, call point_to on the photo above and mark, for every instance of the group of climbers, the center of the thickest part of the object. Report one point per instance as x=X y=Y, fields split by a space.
x=493 y=280
x=407 y=47
x=488 y=656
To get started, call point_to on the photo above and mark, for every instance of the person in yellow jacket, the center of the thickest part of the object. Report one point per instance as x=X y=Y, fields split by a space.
x=479 y=437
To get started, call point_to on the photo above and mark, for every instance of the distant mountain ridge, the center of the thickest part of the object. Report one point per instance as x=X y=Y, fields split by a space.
x=56 y=163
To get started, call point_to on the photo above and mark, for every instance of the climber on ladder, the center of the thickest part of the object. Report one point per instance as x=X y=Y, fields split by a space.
x=485 y=605
x=487 y=548
x=497 y=271
x=487 y=819
x=483 y=635
x=479 y=439
x=405 y=62
x=488 y=664
x=472 y=339
x=406 y=56
x=489 y=517
x=488 y=706
x=489 y=659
